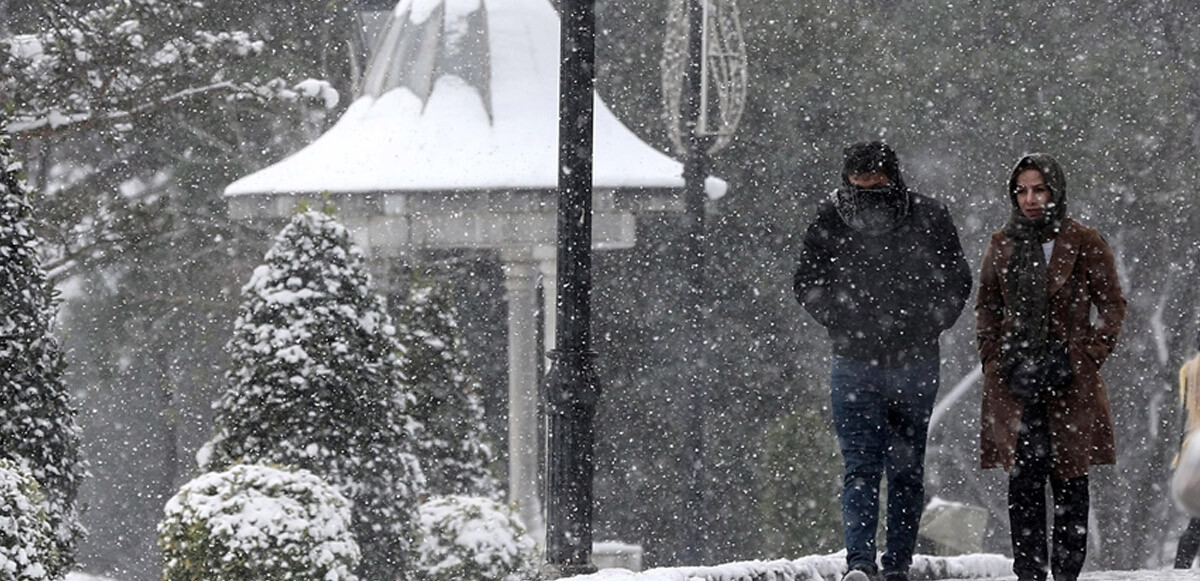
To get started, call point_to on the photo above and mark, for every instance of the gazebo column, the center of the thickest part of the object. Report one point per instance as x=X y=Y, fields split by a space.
x=548 y=267
x=521 y=274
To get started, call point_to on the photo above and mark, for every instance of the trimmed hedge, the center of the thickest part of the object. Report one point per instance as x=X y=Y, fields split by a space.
x=467 y=538
x=254 y=522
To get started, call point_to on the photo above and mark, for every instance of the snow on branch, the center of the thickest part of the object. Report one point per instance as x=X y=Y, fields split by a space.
x=44 y=123
x=113 y=65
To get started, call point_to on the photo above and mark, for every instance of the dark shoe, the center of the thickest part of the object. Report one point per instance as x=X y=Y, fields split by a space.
x=861 y=573
x=895 y=576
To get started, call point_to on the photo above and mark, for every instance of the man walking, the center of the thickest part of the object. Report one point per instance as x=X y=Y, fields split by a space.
x=883 y=271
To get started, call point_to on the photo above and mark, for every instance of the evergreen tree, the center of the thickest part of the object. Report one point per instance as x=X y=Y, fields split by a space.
x=37 y=423
x=317 y=384
x=131 y=117
x=452 y=449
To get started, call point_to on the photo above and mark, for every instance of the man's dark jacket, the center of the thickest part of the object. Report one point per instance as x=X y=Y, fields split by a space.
x=884 y=298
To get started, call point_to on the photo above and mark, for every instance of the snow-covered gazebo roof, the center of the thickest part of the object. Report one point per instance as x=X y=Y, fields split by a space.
x=462 y=95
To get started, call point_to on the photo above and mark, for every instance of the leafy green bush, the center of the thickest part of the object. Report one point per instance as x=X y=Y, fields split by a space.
x=467 y=538
x=258 y=523
x=26 y=543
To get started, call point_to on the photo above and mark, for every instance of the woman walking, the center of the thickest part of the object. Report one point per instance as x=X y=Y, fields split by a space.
x=1045 y=414
x=1189 y=383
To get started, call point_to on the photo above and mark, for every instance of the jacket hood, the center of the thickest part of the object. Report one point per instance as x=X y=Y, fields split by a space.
x=869 y=157
x=872 y=211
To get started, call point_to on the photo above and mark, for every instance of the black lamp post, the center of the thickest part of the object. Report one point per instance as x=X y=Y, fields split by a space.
x=704 y=90
x=571 y=387
x=695 y=169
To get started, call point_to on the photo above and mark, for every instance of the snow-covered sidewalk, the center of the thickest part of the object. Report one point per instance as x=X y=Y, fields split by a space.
x=814 y=568
x=831 y=568
x=1139 y=575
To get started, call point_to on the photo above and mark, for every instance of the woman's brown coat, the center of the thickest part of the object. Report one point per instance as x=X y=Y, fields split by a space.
x=1081 y=273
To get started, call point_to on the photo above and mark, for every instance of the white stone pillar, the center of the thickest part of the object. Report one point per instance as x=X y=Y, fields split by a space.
x=524 y=478
x=548 y=265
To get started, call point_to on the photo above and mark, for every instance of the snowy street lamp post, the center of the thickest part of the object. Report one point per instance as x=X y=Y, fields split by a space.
x=571 y=388
x=704 y=90
x=695 y=167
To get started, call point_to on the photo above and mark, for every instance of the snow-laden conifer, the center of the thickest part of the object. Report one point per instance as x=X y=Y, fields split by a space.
x=37 y=423
x=27 y=550
x=452 y=449
x=466 y=538
x=317 y=384
x=258 y=522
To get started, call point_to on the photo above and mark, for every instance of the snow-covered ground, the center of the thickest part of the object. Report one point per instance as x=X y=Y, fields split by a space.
x=1142 y=575
x=789 y=571
x=831 y=567
x=77 y=576
x=814 y=568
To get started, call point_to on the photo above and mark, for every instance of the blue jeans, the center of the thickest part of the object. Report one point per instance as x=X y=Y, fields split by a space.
x=881 y=415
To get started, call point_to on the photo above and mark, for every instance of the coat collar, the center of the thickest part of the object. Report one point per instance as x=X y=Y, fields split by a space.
x=1066 y=251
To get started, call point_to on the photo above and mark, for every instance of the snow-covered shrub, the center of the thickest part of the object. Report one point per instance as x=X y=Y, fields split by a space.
x=26 y=546
x=37 y=423
x=254 y=522
x=452 y=450
x=316 y=384
x=467 y=538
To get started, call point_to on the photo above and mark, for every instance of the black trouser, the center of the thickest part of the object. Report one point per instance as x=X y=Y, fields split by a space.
x=1185 y=553
x=1027 y=506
